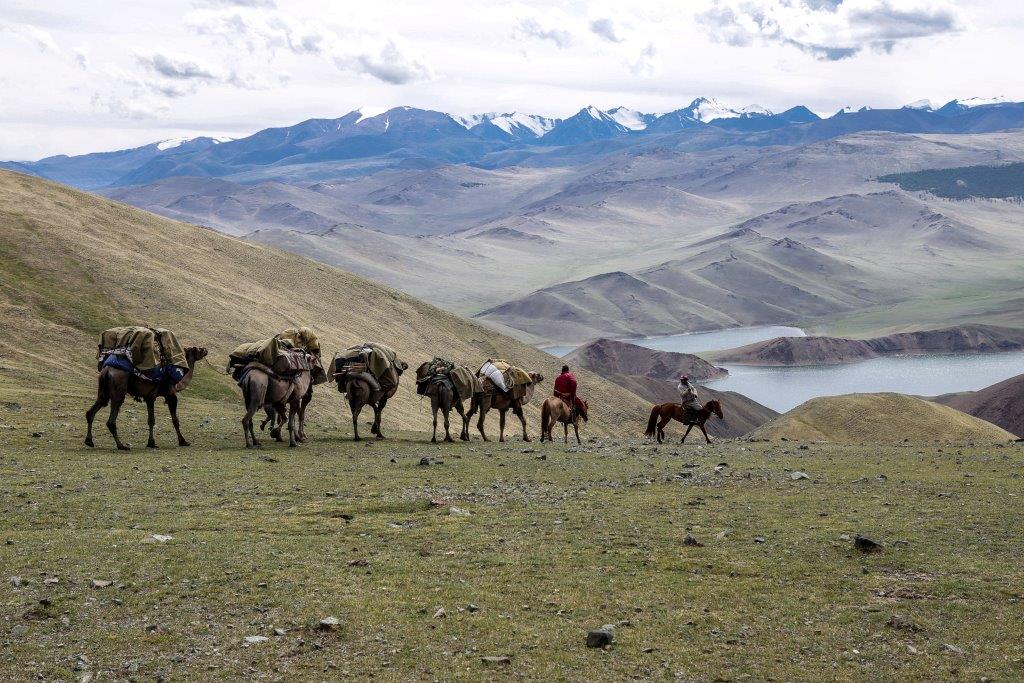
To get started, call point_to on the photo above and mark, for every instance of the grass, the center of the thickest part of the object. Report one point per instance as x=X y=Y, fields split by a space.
x=282 y=538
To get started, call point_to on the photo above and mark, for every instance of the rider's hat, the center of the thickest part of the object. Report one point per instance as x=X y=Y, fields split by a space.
x=684 y=377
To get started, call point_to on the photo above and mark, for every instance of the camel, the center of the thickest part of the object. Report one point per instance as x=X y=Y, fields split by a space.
x=662 y=414
x=444 y=398
x=262 y=388
x=490 y=398
x=276 y=419
x=362 y=389
x=555 y=410
x=114 y=384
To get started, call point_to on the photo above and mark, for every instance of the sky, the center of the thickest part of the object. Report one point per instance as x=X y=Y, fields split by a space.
x=81 y=77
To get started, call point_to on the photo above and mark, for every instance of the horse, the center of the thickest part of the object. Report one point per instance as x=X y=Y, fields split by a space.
x=554 y=410
x=662 y=414
x=115 y=384
x=490 y=398
x=261 y=388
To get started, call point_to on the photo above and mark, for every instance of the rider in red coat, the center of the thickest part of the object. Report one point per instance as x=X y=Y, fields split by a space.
x=565 y=389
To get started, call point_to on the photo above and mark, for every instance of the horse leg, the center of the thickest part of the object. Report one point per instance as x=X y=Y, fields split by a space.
x=576 y=427
x=661 y=428
x=151 y=414
x=102 y=399
x=172 y=407
x=706 y=437
x=688 y=428
x=565 y=426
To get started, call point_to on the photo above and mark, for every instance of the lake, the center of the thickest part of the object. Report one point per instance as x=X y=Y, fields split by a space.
x=783 y=388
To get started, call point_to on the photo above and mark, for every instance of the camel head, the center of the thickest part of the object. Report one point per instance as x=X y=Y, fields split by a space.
x=536 y=378
x=715 y=407
x=401 y=366
x=195 y=353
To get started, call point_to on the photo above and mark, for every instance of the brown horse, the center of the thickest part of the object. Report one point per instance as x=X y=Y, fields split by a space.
x=363 y=389
x=555 y=410
x=261 y=388
x=662 y=414
x=115 y=384
x=491 y=398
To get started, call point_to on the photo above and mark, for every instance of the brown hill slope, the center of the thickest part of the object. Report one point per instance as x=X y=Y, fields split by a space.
x=75 y=264
x=833 y=351
x=878 y=418
x=1001 y=404
x=608 y=356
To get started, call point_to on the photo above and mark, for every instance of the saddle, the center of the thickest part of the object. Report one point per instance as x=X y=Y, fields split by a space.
x=691 y=416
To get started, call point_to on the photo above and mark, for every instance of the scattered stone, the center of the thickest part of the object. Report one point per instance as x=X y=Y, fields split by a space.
x=268 y=458
x=360 y=562
x=901 y=623
x=253 y=640
x=845 y=537
x=798 y=475
x=803 y=447
x=424 y=462
x=692 y=542
x=328 y=624
x=542 y=456
x=101 y=583
x=459 y=512
x=440 y=613
x=528 y=450
x=472 y=608
x=17 y=581
x=500 y=659
x=759 y=539
x=331 y=494
x=866 y=545
x=600 y=637
x=723 y=534
x=279 y=632
x=157 y=538
x=881 y=478
x=37 y=435
x=952 y=649
x=51 y=581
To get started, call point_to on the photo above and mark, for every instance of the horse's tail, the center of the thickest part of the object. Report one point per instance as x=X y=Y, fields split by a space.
x=652 y=423
x=545 y=419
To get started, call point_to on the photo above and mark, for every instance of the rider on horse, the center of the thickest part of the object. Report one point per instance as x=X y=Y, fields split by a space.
x=688 y=396
x=565 y=389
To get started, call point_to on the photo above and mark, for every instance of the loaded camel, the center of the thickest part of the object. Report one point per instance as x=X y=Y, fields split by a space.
x=262 y=388
x=662 y=414
x=553 y=410
x=114 y=384
x=362 y=388
x=443 y=398
x=276 y=419
x=492 y=398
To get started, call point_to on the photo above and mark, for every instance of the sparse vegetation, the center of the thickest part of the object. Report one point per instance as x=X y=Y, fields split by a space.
x=995 y=182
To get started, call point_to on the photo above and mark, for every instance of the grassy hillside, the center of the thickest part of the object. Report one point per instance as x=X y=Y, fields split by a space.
x=75 y=264
x=878 y=418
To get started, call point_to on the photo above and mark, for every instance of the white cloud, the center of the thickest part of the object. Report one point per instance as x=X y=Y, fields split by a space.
x=32 y=35
x=829 y=30
x=540 y=29
x=81 y=59
x=646 y=62
x=387 y=60
x=605 y=28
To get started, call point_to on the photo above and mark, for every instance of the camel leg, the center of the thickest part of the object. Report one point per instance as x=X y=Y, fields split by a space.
x=293 y=412
x=151 y=414
x=355 y=408
x=378 y=413
x=102 y=399
x=464 y=434
x=172 y=408
x=518 y=411
x=115 y=408
x=706 y=437
x=447 y=427
x=688 y=428
x=302 y=415
x=501 y=426
x=433 y=409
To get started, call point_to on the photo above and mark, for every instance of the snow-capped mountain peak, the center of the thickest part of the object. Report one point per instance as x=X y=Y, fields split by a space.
x=627 y=118
x=538 y=125
x=920 y=105
x=172 y=143
x=971 y=102
x=707 y=109
x=754 y=110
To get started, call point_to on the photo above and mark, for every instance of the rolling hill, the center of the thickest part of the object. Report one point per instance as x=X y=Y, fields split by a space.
x=76 y=263
x=878 y=418
x=1001 y=404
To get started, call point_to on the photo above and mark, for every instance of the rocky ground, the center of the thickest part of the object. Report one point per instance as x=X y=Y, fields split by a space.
x=403 y=560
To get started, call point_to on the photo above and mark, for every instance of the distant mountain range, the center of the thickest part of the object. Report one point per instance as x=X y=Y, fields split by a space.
x=405 y=137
